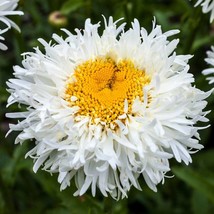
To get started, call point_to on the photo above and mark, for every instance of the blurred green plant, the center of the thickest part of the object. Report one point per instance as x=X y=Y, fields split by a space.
x=22 y=191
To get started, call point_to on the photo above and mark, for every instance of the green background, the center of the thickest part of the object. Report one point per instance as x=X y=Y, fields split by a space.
x=191 y=190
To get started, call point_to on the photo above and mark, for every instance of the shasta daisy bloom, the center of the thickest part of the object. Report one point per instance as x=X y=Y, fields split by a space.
x=108 y=109
x=210 y=61
x=7 y=8
x=207 y=6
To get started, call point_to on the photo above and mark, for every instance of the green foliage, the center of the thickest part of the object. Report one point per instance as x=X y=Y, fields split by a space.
x=22 y=191
x=203 y=184
x=72 y=6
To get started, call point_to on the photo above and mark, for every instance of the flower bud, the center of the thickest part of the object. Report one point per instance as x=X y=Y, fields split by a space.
x=57 y=19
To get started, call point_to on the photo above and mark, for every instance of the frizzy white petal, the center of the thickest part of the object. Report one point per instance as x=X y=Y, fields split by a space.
x=160 y=127
x=207 y=6
x=7 y=8
x=210 y=61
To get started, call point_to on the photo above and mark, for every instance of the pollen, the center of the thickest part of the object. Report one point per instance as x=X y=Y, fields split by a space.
x=101 y=86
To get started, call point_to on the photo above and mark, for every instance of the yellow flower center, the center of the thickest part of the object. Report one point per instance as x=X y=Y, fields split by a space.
x=100 y=87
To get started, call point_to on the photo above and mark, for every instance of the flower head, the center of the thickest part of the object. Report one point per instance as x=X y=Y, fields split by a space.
x=207 y=6
x=210 y=61
x=7 y=8
x=108 y=108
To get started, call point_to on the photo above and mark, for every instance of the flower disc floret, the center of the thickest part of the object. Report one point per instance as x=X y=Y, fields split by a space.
x=103 y=89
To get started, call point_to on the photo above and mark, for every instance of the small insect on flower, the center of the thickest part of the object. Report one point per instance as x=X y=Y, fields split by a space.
x=7 y=8
x=207 y=6
x=108 y=109
x=210 y=61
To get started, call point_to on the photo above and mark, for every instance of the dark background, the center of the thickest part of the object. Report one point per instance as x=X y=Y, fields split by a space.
x=22 y=191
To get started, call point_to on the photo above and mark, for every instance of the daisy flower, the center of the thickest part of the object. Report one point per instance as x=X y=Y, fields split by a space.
x=7 y=8
x=207 y=6
x=107 y=109
x=210 y=61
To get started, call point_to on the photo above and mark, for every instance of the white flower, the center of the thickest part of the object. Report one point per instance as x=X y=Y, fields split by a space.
x=207 y=6
x=210 y=61
x=7 y=8
x=108 y=108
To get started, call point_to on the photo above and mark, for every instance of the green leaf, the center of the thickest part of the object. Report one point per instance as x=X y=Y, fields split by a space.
x=2 y=203
x=200 y=204
x=200 y=42
x=71 y=6
x=205 y=159
x=198 y=181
